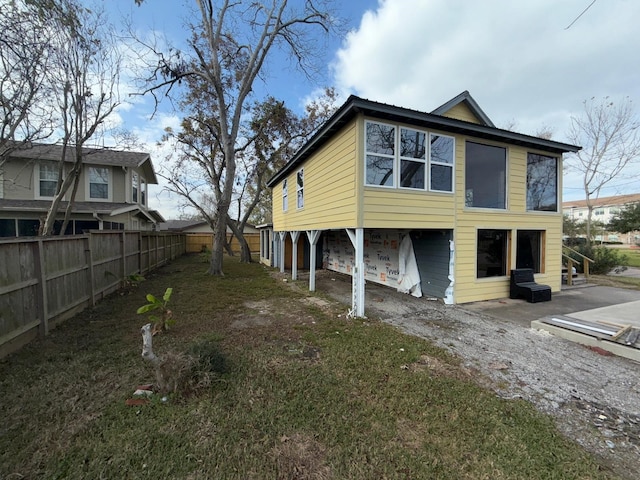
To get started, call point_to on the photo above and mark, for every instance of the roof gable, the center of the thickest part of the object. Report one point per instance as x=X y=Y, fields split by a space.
x=464 y=107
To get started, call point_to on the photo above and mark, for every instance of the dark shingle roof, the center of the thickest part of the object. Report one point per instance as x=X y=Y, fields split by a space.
x=91 y=156
x=104 y=208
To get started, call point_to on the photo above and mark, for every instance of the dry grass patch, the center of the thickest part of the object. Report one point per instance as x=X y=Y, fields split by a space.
x=301 y=457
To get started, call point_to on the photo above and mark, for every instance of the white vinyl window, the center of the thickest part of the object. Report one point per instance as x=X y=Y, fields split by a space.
x=300 y=187
x=99 y=183
x=143 y=192
x=413 y=159
x=48 y=179
x=135 y=186
x=285 y=195
x=441 y=162
x=402 y=157
x=380 y=154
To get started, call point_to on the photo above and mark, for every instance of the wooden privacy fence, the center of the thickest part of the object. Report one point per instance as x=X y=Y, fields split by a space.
x=197 y=242
x=44 y=280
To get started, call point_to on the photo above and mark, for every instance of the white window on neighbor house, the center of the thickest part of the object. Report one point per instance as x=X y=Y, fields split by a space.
x=300 y=188
x=99 y=186
x=598 y=211
x=135 y=186
x=47 y=179
x=285 y=195
x=441 y=163
x=143 y=192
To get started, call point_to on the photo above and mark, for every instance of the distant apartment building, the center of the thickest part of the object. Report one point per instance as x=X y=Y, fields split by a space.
x=605 y=208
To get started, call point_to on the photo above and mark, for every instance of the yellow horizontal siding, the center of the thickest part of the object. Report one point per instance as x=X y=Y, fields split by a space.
x=467 y=287
x=462 y=112
x=394 y=208
x=329 y=188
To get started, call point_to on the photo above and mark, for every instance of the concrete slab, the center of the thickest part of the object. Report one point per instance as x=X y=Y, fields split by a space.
x=566 y=302
x=622 y=314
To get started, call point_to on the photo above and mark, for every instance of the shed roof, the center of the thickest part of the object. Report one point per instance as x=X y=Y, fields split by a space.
x=356 y=105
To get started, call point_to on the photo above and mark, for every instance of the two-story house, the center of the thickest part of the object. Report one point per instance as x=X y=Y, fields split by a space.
x=112 y=191
x=381 y=191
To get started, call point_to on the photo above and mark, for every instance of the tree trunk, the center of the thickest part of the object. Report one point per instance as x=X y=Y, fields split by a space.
x=67 y=213
x=217 y=249
x=222 y=211
x=245 y=251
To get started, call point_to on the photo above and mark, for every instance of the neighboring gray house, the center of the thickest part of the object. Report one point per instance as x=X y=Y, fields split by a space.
x=112 y=192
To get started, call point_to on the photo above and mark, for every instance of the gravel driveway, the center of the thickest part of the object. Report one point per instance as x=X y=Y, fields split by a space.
x=594 y=398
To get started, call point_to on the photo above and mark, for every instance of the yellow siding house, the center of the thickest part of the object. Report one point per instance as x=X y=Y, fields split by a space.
x=467 y=200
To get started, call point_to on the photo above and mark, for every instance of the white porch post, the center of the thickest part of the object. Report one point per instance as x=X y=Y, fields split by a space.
x=357 y=303
x=283 y=235
x=294 y=255
x=275 y=262
x=313 y=236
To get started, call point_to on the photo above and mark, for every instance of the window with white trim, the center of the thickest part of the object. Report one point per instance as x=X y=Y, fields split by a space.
x=413 y=158
x=135 y=185
x=300 y=188
x=380 y=154
x=99 y=183
x=409 y=158
x=441 y=161
x=285 y=195
x=143 y=192
x=48 y=179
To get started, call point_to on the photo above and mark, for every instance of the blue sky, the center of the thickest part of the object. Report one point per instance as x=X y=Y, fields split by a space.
x=517 y=59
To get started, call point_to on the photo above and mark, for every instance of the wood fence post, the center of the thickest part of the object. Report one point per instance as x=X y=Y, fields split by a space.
x=89 y=257
x=123 y=252
x=42 y=288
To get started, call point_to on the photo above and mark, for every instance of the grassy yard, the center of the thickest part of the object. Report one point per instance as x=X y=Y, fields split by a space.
x=286 y=388
x=633 y=257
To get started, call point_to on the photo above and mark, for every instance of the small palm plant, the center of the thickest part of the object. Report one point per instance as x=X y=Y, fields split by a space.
x=163 y=322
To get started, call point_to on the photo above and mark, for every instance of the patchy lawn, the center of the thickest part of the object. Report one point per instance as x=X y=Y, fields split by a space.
x=292 y=390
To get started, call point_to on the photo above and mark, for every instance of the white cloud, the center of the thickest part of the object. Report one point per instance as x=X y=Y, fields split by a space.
x=517 y=59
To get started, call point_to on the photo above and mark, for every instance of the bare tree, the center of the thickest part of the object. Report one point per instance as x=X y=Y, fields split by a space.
x=24 y=59
x=229 y=48
x=608 y=133
x=84 y=76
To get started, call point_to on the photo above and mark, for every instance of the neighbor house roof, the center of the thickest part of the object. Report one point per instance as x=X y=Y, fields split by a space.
x=356 y=105
x=604 y=201
x=101 y=208
x=91 y=156
x=179 y=225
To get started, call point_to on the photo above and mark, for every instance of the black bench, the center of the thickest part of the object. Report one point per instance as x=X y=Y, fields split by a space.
x=523 y=285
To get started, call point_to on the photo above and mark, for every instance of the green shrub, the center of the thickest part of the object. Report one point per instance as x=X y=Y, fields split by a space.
x=605 y=259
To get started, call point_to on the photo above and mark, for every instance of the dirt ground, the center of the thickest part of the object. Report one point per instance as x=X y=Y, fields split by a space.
x=594 y=398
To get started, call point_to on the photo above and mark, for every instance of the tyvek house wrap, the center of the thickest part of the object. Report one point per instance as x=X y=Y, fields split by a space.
x=409 y=278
